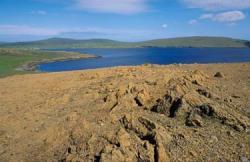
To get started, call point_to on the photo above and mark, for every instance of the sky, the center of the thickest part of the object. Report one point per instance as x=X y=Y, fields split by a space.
x=124 y=20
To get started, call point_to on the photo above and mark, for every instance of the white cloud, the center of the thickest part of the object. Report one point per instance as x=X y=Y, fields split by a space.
x=218 y=4
x=230 y=16
x=112 y=6
x=192 y=22
x=164 y=25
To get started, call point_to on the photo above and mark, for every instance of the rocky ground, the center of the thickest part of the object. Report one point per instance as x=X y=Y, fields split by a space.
x=144 y=113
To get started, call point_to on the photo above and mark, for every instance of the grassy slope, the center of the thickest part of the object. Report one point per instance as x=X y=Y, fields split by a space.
x=197 y=42
x=105 y=43
x=67 y=43
x=11 y=59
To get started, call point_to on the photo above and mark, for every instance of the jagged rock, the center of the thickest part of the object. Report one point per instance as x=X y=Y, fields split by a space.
x=126 y=122
x=161 y=154
x=162 y=106
x=106 y=123
x=110 y=97
x=194 y=119
x=162 y=138
x=168 y=106
x=197 y=77
x=148 y=124
x=176 y=105
x=205 y=110
x=111 y=154
x=142 y=98
x=124 y=138
x=132 y=124
x=204 y=93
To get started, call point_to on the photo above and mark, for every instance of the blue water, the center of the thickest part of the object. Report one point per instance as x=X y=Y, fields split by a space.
x=138 y=56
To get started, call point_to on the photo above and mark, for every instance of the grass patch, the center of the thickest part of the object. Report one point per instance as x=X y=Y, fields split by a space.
x=11 y=59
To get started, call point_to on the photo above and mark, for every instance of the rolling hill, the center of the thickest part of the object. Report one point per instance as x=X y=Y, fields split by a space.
x=106 y=43
x=198 y=42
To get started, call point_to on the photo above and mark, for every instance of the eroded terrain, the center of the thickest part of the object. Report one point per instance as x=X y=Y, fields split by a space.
x=142 y=113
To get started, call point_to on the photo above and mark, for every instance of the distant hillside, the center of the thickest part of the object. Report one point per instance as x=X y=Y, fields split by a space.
x=198 y=42
x=65 y=43
x=105 y=43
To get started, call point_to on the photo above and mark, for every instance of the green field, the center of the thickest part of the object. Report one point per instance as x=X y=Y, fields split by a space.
x=105 y=43
x=12 y=59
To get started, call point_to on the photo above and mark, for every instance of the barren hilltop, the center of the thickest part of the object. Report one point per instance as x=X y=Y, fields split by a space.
x=142 y=113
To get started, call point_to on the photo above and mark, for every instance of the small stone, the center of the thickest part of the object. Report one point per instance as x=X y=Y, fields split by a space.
x=235 y=96
x=219 y=75
x=101 y=124
x=230 y=133
x=192 y=153
x=194 y=120
x=213 y=139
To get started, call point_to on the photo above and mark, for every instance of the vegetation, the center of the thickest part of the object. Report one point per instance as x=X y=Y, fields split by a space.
x=105 y=43
x=16 y=55
x=11 y=60
x=198 y=42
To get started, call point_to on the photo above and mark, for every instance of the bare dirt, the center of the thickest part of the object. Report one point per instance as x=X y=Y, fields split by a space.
x=143 y=113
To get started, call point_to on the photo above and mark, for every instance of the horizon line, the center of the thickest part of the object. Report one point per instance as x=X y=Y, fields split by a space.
x=197 y=36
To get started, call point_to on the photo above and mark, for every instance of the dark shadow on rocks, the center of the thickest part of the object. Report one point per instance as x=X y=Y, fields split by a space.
x=175 y=107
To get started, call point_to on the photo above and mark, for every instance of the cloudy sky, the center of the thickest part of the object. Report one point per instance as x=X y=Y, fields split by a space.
x=127 y=20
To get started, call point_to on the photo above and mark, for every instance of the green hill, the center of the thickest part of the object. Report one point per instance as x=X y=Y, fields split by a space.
x=20 y=61
x=198 y=42
x=66 y=43
x=106 y=43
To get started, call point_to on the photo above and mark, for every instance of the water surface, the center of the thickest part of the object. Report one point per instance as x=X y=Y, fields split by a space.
x=138 y=56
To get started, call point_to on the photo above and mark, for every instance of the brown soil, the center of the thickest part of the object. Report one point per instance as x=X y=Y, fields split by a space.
x=143 y=113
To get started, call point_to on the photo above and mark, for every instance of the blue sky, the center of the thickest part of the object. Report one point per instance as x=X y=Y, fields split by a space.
x=126 y=20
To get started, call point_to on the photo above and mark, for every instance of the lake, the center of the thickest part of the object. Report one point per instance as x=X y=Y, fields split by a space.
x=138 y=56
